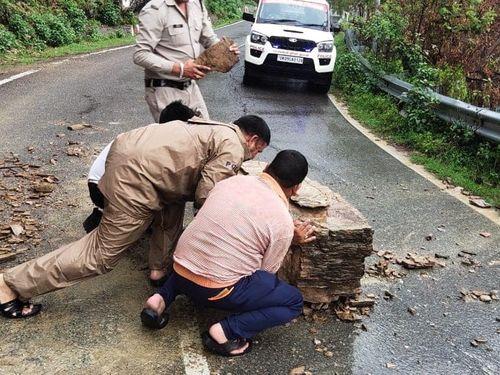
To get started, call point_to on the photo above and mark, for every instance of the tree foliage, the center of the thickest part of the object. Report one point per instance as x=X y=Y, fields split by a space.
x=459 y=39
x=37 y=24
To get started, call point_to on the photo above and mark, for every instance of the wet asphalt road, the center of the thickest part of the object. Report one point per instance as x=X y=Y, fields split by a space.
x=105 y=90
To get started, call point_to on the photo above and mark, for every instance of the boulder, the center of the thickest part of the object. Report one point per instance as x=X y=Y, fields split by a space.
x=333 y=265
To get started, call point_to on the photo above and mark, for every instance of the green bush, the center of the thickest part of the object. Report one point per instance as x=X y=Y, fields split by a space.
x=54 y=30
x=225 y=9
x=93 y=30
x=452 y=82
x=7 y=40
x=76 y=16
x=352 y=74
x=109 y=13
x=24 y=32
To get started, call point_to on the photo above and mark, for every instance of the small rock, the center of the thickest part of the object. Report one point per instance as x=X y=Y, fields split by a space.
x=44 y=187
x=441 y=256
x=79 y=126
x=412 y=311
x=297 y=370
x=328 y=354
x=469 y=252
x=317 y=342
x=474 y=343
x=391 y=365
x=60 y=135
x=485 y=298
x=429 y=237
x=481 y=203
x=485 y=234
x=388 y=295
x=16 y=229
x=362 y=302
x=480 y=340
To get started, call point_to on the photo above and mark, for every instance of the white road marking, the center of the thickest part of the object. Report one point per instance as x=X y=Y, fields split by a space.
x=194 y=362
x=17 y=76
x=231 y=24
x=101 y=52
x=404 y=158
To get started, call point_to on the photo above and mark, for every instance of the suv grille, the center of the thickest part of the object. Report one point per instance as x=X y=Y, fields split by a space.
x=292 y=44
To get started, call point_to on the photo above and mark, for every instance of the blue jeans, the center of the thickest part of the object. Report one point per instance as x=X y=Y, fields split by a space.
x=258 y=301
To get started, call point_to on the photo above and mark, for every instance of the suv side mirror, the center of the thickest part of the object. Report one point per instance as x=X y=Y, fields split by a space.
x=248 y=17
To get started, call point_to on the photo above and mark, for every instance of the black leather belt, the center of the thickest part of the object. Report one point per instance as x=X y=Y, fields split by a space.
x=154 y=82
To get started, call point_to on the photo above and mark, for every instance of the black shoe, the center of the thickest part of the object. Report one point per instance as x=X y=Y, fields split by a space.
x=93 y=220
x=152 y=320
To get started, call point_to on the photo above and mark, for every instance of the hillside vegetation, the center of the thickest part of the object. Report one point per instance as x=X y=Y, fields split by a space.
x=50 y=28
x=34 y=25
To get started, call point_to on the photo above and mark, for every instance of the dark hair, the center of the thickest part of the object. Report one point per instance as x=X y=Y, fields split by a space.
x=254 y=125
x=176 y=111
x=289 y=168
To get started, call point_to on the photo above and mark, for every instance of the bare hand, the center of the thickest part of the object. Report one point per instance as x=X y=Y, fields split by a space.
x=235 y=49
x=195 y=71
x=303 y=232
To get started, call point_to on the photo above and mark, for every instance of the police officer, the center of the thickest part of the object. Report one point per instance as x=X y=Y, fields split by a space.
x=150 y=173
x=171 y=35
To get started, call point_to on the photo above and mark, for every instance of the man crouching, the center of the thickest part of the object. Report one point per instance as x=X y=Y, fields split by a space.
x=228 y=256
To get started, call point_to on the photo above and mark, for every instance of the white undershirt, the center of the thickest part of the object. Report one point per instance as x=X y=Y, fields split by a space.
x=97 y=168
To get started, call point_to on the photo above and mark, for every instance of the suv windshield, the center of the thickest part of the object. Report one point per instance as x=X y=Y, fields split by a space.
x=294 y=12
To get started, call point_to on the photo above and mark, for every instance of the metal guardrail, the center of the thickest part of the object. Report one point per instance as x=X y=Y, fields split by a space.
x=482 y=121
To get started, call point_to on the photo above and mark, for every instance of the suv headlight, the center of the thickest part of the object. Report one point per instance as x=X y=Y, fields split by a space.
x=258 y=38
x=325 y=46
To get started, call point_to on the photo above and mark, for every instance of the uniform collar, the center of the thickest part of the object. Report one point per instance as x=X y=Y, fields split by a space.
x=241 y=136
x=237 y=130
x=171 y=2
x=271 y=182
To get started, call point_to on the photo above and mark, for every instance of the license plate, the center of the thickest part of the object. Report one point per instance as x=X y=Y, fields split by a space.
x=291 y=59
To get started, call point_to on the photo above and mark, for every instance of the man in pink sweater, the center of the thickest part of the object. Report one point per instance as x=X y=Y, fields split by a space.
x=228 y=256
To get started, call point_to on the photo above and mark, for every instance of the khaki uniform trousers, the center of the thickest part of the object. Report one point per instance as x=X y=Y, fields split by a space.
x=159 y=97
x=98 y=252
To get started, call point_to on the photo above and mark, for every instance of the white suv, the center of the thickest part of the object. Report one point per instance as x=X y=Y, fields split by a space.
x=291 y=38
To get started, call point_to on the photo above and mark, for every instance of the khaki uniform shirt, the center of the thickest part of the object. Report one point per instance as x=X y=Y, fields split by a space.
x=166 y=36
x=150 y=167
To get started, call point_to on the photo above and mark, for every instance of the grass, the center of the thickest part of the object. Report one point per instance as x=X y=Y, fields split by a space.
x=31 y=57
x=463 y=166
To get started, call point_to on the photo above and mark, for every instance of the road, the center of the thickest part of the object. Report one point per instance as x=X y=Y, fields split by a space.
x=94 y=326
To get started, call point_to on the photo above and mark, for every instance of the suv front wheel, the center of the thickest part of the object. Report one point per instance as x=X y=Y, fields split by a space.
x=322 y=86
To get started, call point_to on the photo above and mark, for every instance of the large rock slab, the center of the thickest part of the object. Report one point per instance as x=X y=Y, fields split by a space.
x=333 y=265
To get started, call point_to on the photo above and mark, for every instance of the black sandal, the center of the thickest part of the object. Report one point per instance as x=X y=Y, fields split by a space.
x=14 y=309
x=225 y=349
x=152 y=320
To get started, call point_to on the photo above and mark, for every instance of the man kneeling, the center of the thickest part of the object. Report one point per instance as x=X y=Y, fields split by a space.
x=228 y=256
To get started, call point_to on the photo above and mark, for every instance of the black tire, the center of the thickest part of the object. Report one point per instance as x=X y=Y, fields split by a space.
x=322 y=85
x=320 y=88
x=248 y=80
